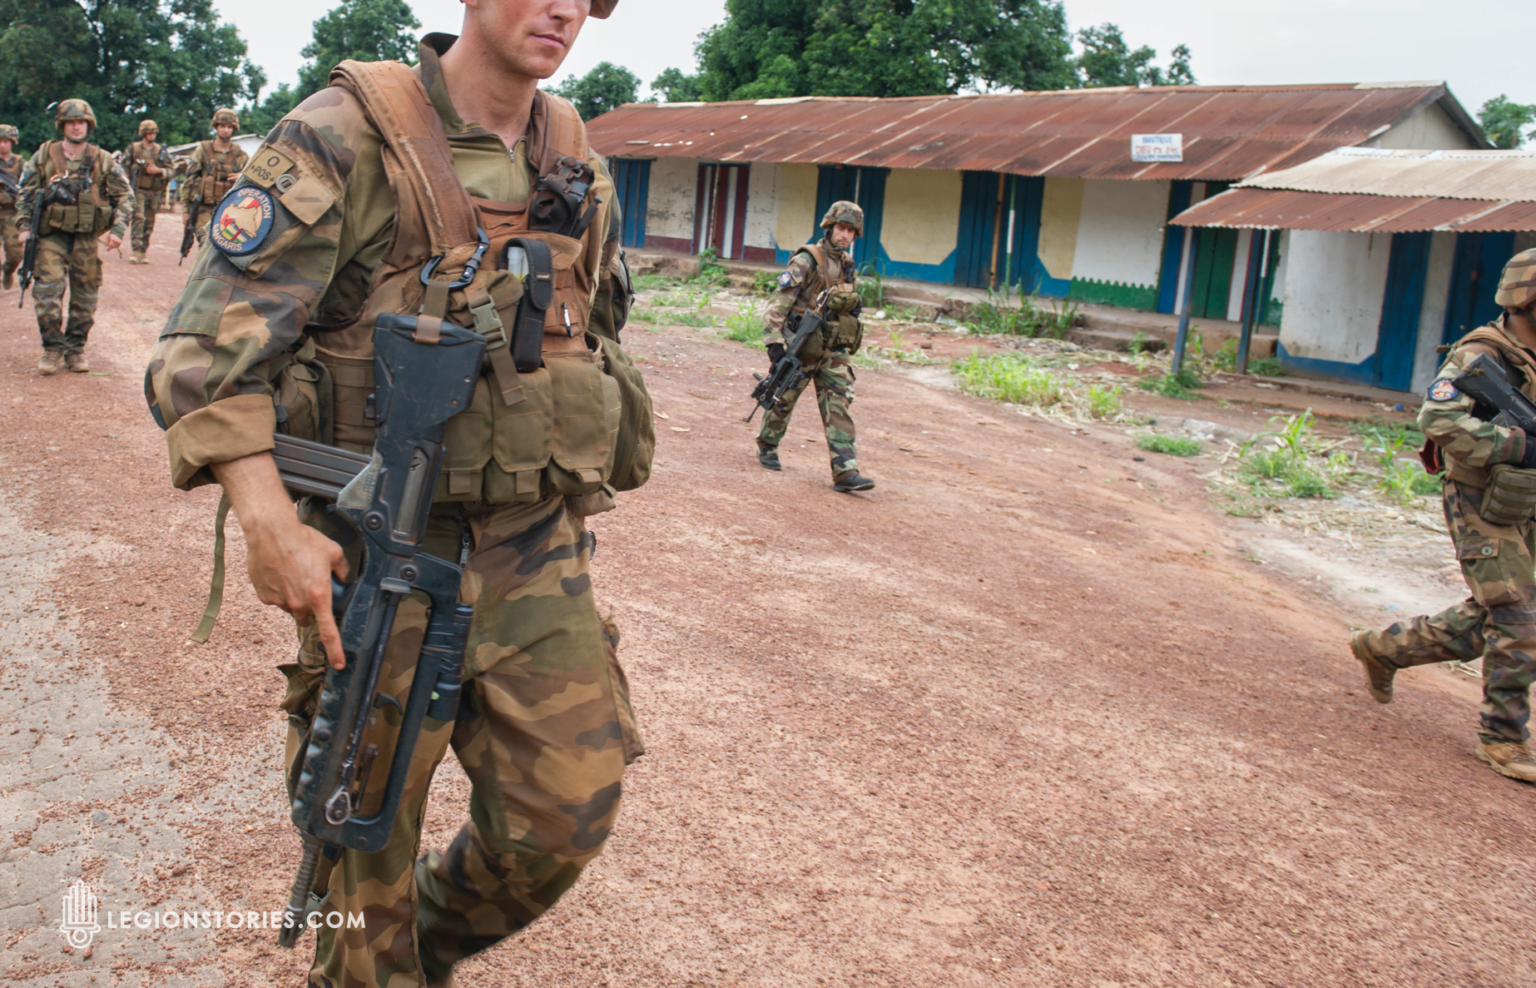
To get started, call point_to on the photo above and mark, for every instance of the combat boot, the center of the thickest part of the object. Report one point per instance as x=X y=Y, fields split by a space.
x=138 y=258
x=768 y=456
x=1508 y=758
x=851 y=481
x=48 y=364
x=76 y=362
x=1378 y=675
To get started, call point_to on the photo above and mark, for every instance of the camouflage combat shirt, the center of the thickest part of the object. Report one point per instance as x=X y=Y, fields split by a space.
x=1469 y=444
x=798 y=287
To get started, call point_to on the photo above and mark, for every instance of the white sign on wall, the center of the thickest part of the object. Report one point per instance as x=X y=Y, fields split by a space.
x=1157 y=147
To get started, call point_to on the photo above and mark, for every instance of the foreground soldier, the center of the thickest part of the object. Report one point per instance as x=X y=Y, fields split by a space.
x=212 y=170
x=1490 y=497
x=95 y=200
x=275 y=326
x=10 y=163
x=145 y=162
x=820 y=275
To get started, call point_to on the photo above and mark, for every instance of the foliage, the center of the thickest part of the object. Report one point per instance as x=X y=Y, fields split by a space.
x=361 y=30
x=1266 y=367
x=651 y=282
x=1175 y=384
x=1104 y=401
x=1108 y=61
x=745 y=326
x=998 y=314
x=764 y=283
x=605 y=88
x=872 y=286
x=711 y=271
x=673 y=86
x=1172 y=445
x=1138 y=343
x=174 y=61
x=1017 y=380
x=1405 y=482
x=1504 y=122
x=1286 y=465
x=1388 y=438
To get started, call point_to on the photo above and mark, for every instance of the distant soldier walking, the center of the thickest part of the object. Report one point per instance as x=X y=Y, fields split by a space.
x=820 y=276
x=1490 y=498
x=213 y=170
x=11 y=164
x=84 y=194
x=149 y=172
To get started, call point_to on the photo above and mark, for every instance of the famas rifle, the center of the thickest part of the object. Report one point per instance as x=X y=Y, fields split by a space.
x=189 y=227
x=1486 y=381
x=10 y=185
x=386 y=499
x=789 y=370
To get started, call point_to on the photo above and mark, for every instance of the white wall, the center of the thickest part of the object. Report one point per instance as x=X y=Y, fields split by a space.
x=1437 y=295
x=762 y=201
x=1120 y=232
x=1334 y=284
x=1430 y=129
x=1239 y=276
x=674 y=188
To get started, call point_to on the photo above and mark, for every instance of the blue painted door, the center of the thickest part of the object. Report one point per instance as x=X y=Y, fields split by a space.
x=1179 y=197
x=633 y=184
x=976 y=241
x=1397 y=339
x=1480 y=257
x=857 y=184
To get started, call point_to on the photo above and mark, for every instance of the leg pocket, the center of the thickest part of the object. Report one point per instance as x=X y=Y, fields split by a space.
x=629 y=728
x=1496 y=570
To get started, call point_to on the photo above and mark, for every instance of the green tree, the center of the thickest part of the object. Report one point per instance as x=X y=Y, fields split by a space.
x=605 y=87
x=673 y=86
x=1504 y=122
x=361 y=30
x=1108 y=61
x=130 y=59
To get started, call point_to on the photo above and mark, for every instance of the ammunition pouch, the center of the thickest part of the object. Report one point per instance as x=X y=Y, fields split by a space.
x=302 y=393
x=1510 y=497
x=79 y=216
x=815 y=345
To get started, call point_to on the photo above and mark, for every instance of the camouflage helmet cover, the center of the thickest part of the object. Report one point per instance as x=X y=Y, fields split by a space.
x=602 y=8
x=224 y=115
x=9 y=133
x=846 y=212
x=73 y=109
x=145 y=126
x=1517 y=286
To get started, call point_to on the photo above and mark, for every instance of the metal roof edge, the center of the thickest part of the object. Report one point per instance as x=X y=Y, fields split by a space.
x=1459 y=115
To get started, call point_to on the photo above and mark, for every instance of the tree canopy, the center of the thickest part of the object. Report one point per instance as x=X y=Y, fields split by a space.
x=174 y=61
x=600 y=90
x=1504 y=122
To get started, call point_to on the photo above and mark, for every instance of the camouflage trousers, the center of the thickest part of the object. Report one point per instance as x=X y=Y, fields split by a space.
x=1497 y=623
x=66 y=259
x=544 y=732
x=147 y=204
x=11 y=237
x=834 y=379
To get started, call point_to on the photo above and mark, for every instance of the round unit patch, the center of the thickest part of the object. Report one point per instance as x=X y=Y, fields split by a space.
x=1443 y=390
x=242 y=221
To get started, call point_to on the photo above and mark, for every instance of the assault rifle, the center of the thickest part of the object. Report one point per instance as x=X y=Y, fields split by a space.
x=386 y=499
x=65 y=189
x=189 y=227
x=1485 y=380
x=10 y=185
x=790 y=369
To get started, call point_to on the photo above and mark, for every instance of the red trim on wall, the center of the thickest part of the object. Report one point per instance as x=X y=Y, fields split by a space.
x=700 y=196
x=739 y=232
x=675 y=244
x=758 y=255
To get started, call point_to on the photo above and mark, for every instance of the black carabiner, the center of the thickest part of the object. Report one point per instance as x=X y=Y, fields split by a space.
x=471 y=266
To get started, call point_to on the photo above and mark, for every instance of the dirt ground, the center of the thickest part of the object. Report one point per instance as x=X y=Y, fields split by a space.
x=1029 y=713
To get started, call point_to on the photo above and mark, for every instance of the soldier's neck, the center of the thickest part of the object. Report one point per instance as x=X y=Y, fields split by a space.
x=1520 y=324
x=221 y=145
x=73 y=149
x=487 y=91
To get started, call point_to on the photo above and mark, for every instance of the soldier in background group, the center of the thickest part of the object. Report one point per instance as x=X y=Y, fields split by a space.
x=212 y=171
x=11 y=163
x=95 y=199
x=148 y=167
x=1490 y=499
x=820 y=276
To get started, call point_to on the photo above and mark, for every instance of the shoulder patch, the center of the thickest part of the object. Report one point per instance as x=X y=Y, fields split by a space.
x=267 y=165
x=786 y=280
x=242 y=221
x=1443 y=390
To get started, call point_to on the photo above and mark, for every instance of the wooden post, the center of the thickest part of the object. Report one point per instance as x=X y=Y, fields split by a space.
x=1258 y=247
x=1189 y=294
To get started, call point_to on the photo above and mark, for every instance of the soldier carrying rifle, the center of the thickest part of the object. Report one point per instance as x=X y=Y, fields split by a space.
x=10 y=194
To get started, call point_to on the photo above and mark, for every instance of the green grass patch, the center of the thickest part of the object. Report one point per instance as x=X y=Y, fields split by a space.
x=652 y=282
x=1007 y=378
x=1172 y=445
x=1266 y=367
x=1104 y=401
x=1178 y=384
x=999 y=315
x=745 y=326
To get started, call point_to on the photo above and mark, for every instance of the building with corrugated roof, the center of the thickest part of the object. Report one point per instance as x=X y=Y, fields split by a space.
x=1067 y=194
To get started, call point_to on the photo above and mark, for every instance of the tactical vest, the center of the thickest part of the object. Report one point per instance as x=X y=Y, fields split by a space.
x=1513 y=358
x=214 y=183
x=13 y=169
x=90 y=213
x=836 y=278
x=543 y=421
x=144 y=153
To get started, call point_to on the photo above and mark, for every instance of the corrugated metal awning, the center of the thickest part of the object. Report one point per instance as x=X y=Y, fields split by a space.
x=1285 y=209
x=1229 y=132
x=1491 y=175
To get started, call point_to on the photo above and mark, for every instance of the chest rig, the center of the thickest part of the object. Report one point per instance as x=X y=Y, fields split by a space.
x=1520 y=366
x=79 y=206
x=545 y=416
x=215 y=182
x=833 y=285
x=145 y=153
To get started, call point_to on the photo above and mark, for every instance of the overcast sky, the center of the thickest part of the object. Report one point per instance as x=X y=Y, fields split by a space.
x=1282 y=41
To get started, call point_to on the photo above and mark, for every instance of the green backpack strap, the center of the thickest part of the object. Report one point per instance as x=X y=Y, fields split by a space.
x=216 y=584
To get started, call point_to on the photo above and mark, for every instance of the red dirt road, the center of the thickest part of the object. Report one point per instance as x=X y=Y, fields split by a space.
x=1023 y=715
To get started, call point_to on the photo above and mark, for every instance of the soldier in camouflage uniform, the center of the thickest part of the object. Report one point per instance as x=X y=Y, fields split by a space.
x=10 y=163
x=1490 y=498
x=66 y=253
x=148 y=168
x=211 y=171
x=545 y=728
x=820 y=277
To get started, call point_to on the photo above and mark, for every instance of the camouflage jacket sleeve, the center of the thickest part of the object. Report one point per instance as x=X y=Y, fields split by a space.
x=118 y=192
x=192 y=172
x=791 y=285
x=1451 y=419
x=610 y=302
x=31 y=184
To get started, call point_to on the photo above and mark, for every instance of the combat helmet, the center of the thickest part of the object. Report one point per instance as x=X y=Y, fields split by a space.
x=145 y=126
x=224 y=115
x=1517 y=286
x=602 y=8
x=73 y=109
x=9 y=133
x=845 y=212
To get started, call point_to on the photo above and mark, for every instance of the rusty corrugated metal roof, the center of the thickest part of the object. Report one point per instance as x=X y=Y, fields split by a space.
x=1285 y=209
x=1493 y=175
x=1230 y=132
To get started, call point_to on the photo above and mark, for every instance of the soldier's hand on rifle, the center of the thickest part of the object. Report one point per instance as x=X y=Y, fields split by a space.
x=113 y=241
x=24 y=234
x=776 y=353
x=290 y=564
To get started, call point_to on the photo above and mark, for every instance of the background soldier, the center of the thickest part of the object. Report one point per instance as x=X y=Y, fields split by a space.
x=820 y=275
x=212 y=170
x=148 y=167
x=90 y=196
x=10 y=163
x=1490 y=497
x=545 y=728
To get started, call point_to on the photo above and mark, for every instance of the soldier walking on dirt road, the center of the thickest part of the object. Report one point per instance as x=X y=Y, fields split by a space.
x=148 y=167
x=212 y=170
x=11 y=163
x=820 y=274
x=1490 y=498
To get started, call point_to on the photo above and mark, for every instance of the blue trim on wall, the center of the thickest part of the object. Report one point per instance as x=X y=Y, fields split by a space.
x=1397 y=339
x=1361 y=373
x=1179 y=196
x=1474 y=275
x=632 y=183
